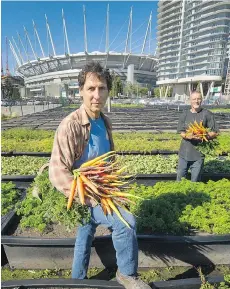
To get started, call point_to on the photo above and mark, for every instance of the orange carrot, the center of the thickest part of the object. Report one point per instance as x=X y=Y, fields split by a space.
x=72 y=193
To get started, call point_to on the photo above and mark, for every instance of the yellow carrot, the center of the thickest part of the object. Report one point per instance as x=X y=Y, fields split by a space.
x=112 y=206
x=81 y=190
x=100 y=158
x=105 y=203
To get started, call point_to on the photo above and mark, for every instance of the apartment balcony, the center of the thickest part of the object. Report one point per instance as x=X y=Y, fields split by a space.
x=166 y=68
x=161 y=38
x=174 y=43
x=209 y=28
x=207 y=4
x=213 y=5
x=164 y=63
x=161 y=10
x=214 y=12
x=170 y=39
x=204 y=42
x=169 y=51
x=206 y=22
x=170 y=56
x=168 y=73
x=164 y=18
x=168 y=22
x=169 y=33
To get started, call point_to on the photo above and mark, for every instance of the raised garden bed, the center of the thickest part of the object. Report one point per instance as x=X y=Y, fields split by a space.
x=172 y=210
x=192 y=283
x=154 y=251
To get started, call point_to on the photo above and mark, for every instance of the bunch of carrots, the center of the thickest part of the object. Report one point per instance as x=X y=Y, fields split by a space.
x=198 y=130
x=103 y=181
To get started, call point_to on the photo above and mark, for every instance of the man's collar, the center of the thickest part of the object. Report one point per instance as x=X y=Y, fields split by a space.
x=84 y=115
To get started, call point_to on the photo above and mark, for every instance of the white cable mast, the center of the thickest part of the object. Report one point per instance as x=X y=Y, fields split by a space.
x=146 y=34
x=14 y=53
x=36 y=32
x=65 y=32
x=107 y=31
x=85 y=31
x=23 y=46
x=129 y=33
x=22 y=61
x=35 y=56
x=49 y=32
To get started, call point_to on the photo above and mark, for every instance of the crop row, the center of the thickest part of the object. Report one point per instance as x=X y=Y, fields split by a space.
x=170 y=208
x=42 y=141
x=136 y=164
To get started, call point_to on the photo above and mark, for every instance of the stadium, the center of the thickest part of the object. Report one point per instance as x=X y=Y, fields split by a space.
x=56 y=75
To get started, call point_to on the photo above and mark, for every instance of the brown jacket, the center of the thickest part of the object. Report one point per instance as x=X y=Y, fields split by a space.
x=70 y=140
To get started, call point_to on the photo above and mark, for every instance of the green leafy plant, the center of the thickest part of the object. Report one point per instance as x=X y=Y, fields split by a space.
x=136 y=164
x=9 y=197
x=40 y=215
x=22 y=165
x=42 y=141
x=181 y=207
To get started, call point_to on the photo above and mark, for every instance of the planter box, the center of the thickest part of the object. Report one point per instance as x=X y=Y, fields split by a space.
x=191 y=283
x=146 y=179
x=154 y=251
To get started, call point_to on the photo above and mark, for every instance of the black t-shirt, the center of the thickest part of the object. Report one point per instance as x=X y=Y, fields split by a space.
x=188 y=149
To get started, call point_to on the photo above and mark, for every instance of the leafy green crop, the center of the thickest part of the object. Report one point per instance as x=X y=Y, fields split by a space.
x=168 y=207
x=41 y=215
x=23 y=165
x=42 y=141
x=179 y=207
x=9 y=197
x=137 y=164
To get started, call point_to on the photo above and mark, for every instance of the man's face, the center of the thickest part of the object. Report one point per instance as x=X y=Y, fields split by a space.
x=195 y=100
x=94 y=93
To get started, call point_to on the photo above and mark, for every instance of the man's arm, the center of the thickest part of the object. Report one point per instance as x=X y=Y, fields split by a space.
x=62 y=159
x=211 y=123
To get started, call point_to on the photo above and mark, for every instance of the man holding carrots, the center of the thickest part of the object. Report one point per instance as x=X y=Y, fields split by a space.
x=82 y=136
x=189 y=156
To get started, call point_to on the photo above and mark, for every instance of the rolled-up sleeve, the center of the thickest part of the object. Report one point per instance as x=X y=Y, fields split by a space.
x=62 y=158
x=181 y=123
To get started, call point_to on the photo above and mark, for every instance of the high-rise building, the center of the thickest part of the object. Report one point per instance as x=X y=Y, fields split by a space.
x=192 y=44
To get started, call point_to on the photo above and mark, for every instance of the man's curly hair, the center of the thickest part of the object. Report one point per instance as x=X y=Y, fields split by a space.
x=98 y=70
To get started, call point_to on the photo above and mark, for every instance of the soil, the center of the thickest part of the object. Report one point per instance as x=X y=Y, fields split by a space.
x=57 y=231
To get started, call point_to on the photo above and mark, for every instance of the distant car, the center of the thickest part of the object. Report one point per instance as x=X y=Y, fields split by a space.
x=38 y=102
x=30 y=103
x=4 y=103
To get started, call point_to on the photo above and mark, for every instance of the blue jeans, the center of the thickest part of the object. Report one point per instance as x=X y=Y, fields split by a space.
x=195 y=167
x=124 y=242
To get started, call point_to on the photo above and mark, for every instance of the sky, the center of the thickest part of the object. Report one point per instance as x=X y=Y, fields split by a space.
x=16 y=14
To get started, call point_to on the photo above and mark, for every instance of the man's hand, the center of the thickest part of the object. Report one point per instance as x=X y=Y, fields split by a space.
x=90 y=202
x=211 y=135
x=189 y=136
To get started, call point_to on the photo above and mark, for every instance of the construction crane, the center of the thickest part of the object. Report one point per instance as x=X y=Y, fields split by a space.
x=227 y=80
x=2 y=71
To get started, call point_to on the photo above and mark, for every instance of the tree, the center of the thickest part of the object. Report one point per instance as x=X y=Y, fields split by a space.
x=163 y=90
x=117 y=87
x=9 y=91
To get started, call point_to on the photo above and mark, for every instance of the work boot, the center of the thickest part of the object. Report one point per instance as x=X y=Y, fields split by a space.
x=131 y=282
